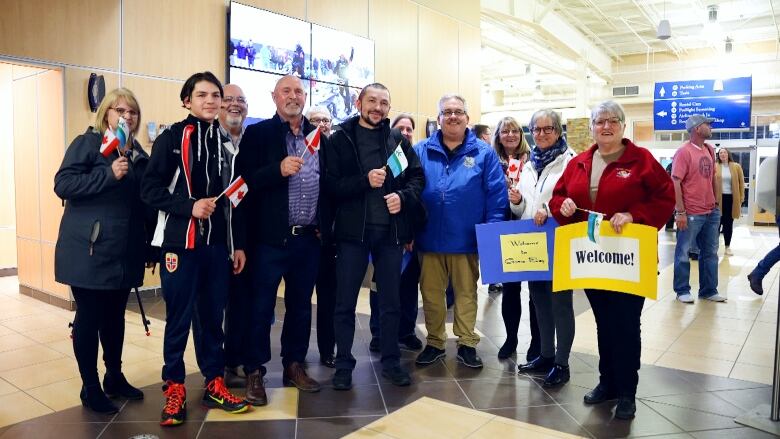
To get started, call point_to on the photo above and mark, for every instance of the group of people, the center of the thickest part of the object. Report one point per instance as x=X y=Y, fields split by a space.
x=314 y=214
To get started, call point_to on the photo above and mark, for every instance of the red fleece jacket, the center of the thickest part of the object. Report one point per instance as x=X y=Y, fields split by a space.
x=635 y=183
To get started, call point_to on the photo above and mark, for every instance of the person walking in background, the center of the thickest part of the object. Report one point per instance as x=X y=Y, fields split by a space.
x=731 y=180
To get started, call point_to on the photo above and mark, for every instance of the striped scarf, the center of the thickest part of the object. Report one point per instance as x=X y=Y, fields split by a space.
x=543 y=157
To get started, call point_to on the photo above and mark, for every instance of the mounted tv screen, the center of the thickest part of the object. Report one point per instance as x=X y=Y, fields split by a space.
x=262 y=40
x=257 y=87
x=337 y=99
x=341 y=58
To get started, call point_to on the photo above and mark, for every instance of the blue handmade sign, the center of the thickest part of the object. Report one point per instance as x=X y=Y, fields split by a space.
x=513 y=251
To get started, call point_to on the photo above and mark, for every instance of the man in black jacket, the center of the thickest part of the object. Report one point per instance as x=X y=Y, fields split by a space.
x=199 y=235
x=374 y=210
x=286 y=219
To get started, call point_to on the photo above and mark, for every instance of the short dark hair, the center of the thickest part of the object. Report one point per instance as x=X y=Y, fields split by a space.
x=372 y=85
x=480 y=129
x=189 y=84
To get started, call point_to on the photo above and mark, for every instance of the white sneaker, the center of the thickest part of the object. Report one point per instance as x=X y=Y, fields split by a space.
x=685 y=298
x=728 y=252
x=715 y=298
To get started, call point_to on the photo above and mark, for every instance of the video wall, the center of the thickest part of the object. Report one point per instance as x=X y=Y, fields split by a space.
x=263 y=46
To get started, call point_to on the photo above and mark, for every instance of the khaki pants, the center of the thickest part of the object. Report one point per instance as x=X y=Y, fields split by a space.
x=436 y=270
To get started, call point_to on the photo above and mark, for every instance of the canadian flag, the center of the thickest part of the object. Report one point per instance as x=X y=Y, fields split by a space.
x=313 y=141
x=237 y=191
x=110 y=143
x=514 y=169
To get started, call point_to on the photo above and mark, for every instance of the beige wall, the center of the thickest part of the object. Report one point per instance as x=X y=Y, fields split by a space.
x=7 y=196
x=424 y=48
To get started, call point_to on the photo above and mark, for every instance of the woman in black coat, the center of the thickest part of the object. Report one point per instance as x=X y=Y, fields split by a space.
x=102 y=243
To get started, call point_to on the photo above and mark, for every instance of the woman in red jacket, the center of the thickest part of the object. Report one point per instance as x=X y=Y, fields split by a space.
x=628 y=185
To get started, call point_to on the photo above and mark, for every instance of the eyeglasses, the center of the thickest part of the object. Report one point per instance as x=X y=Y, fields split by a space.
x=230 y=99
x=508 y=132
x=545 y=130
x=450 y=113
x=122 y=112
x=319 y=120
x=610 y=121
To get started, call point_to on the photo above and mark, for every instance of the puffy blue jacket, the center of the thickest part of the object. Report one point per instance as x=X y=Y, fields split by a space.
x=460 y=192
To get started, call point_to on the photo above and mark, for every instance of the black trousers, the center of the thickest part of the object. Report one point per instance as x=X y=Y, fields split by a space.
x=726 y=220
x=100 y=314
x=409 y=293
x=351 y=268
x=326 y=301
x=237 y=317
x=620 y=344
x=511 y=310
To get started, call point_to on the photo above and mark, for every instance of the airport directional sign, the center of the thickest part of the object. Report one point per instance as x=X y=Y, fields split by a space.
x=727 y=101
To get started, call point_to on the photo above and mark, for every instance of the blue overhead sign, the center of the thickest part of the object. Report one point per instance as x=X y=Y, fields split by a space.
x=729 y=105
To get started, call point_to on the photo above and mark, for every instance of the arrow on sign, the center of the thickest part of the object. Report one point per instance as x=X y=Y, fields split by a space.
x=662 y=113
x=662 y=92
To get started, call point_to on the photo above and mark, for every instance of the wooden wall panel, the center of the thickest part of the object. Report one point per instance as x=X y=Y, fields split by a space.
x=83 y=32
x=26 y=157
x=159 y=101
x=29 y=254
x=174 y=38
x=393 y=27
x=462 y=10
x=290 y=8
x=47 y=273
x=7 y=195
x=347 y=15
x=469 y=42
x=438 y=68
x=77 y=114
x=50 y=152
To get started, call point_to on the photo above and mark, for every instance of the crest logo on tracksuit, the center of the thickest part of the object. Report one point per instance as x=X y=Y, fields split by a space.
x=171 y=262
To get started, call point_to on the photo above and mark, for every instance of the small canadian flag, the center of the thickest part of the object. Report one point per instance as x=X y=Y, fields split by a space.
x=514 y=169
x=236 y=191
x=313 y=141
x=110 y=143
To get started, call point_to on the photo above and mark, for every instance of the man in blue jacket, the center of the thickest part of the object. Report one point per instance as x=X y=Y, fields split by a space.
x=464 y=186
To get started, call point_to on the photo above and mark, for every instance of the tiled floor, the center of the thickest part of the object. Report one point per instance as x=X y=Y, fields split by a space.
x=703 y=364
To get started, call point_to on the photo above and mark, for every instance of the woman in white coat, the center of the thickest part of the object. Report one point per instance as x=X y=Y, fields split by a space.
x=554 y=311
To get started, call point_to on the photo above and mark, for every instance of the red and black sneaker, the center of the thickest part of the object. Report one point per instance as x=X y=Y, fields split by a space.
x=175 y=410
x=218 y=396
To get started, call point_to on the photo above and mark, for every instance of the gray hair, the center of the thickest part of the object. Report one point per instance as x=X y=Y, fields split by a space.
x=607 y=107
x=447 y=97
x=554 y=116
x=317 y=109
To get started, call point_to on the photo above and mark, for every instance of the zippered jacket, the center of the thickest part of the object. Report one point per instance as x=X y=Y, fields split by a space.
x=460 y=192
x=347 y=184
x=537 y=188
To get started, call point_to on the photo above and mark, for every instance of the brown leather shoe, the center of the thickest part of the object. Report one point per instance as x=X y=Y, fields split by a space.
x=255 y=389
x=295 y=375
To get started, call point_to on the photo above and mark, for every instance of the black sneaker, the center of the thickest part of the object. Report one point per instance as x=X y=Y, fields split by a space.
x=397 y=375
x=411 y=342
x=175 y=410
x=375 y=345
x=342 y=379
x=429 y=355
x=217 y=396
x=468 y=356
x=755 y=284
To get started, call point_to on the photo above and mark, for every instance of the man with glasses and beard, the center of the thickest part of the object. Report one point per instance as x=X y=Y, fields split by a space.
x=374 y=210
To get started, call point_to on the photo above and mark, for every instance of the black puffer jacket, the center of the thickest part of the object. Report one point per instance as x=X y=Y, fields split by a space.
x=105 y=230
x=346 y=183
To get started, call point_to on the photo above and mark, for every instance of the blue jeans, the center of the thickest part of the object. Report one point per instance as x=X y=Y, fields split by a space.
x=702 y=229
x=769 y=260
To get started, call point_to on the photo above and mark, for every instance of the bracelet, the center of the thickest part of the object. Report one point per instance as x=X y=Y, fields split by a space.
x=679 y=213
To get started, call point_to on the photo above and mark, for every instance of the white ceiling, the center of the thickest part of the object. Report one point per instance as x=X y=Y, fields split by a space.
x=543 y=50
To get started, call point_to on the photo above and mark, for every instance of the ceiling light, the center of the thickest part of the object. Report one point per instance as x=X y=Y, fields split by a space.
x=664 y=30
x=729 y=44
x=712 y=13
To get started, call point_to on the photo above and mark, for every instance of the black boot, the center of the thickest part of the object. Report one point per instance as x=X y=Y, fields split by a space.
x=93 y=398
x=116 y=385
x=558 y=375
x=626 y=408
x=508 y=348
x=537 y=365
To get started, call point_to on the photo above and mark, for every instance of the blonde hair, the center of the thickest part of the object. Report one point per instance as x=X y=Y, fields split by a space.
x=522 y=148
x=101 y=120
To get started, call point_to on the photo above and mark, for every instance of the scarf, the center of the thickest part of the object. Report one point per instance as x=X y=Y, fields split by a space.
x=543 y=157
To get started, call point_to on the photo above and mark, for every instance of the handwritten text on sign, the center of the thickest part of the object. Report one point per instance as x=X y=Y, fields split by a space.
x=524 y=252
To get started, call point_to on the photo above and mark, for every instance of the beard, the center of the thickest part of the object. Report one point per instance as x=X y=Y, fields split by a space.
x=366 y=117
x=232 y=121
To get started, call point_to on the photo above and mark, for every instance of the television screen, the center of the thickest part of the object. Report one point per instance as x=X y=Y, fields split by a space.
x=257 y=87
x=263 y=40
x=341 y=58
x=338 y=99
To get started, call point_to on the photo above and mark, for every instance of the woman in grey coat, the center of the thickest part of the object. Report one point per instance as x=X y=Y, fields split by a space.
x=102 y=243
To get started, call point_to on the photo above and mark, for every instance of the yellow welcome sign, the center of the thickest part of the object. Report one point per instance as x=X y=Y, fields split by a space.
x=625 y=262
